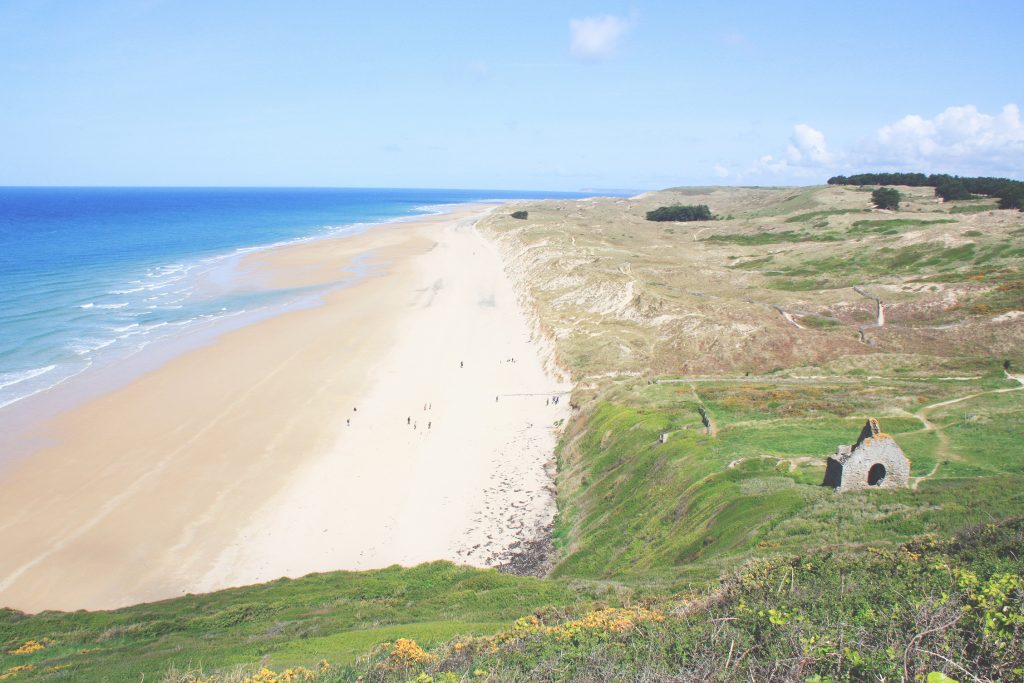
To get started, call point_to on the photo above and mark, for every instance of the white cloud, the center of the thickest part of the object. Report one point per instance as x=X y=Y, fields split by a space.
x=770 y=164
x=959 y=138
x=596 y=38
x=721 y=171
x=807 y=146
x=806 y=153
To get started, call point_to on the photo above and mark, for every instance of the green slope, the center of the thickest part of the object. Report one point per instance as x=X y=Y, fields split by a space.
x=335 y=616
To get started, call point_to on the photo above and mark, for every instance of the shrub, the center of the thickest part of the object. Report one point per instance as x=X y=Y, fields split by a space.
x=522 y=215
x=951 y=190
x=1013 y=199
x=681 y=212
x=886 y=198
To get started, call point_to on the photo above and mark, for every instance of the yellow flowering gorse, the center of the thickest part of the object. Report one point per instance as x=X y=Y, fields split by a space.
x=293 y=675
x=15 y=670
x=608 y=620
x=406 y=652
x=30 y=646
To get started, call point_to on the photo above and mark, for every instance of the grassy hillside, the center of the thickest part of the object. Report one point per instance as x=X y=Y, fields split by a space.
x=883 y=615
x=688 y=510
x=336 y=616
x=717 y=554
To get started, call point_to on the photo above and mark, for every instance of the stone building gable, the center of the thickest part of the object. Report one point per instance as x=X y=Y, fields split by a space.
x=875 y=461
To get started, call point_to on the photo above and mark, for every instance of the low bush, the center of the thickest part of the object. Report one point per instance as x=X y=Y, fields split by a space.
x=886 y=198
x=681 y=212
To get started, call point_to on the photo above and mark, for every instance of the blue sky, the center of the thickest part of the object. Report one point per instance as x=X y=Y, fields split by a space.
x=506 y=95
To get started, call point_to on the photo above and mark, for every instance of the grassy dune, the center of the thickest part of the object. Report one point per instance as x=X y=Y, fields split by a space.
x=716 y=555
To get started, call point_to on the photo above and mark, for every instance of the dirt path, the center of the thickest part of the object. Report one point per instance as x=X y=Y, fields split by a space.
x=788 y=317
x=915 y=481
x=880 y=307
x=706 y=418
x=942 y=451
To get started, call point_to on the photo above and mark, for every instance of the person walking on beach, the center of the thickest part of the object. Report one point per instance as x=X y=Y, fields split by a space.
x=428 y=425
x=461 y=364
x=348 y=422
x=408 y=420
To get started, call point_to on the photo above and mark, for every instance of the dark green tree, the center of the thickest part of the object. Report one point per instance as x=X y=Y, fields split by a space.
x=886 y=198
x=681 y=212
x=522 y=215
x=1012 y=199
x=952 y=189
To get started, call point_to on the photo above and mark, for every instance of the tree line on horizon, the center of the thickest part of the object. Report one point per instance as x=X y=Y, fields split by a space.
x=950 y=187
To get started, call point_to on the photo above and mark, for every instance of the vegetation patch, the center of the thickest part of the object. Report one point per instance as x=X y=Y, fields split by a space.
x=927 y=610
x=824 y=213
x=819 y=322
x=285 y=623
x=844 y=270
x=886 y=198
x=892 y=226
x=681 y=212
x=1005 y=297
x=972 y=208
x=767 y=237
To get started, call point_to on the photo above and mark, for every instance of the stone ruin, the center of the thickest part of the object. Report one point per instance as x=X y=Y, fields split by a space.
x=874 y=461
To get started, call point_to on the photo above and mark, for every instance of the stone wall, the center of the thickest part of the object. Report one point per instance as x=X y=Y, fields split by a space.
x=875 y=461
x=874 y=451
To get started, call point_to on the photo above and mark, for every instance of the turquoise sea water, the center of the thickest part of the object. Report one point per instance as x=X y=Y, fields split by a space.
x=91 y=274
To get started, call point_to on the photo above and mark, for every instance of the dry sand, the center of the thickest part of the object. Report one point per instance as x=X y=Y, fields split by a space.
x=283 y=448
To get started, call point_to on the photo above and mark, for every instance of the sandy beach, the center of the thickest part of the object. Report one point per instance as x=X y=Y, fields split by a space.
x=405 y=418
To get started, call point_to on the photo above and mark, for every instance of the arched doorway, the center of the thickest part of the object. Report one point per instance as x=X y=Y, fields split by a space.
x=876 y=475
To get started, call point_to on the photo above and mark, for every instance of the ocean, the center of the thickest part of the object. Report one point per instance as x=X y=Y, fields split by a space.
x=90 y=275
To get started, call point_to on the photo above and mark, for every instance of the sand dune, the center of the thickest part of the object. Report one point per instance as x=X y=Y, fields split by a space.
x=283 y=447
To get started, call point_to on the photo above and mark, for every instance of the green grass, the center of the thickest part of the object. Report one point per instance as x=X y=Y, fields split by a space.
x=819 y=322
x=795 y=200
x=344 y=647
x=847 y=269
x=782 y=237
x=685 y=510
x=892 y=226
x=972 y=208
x=754 y=264
x=336 y=616
x=934 y=606
x=811 y=215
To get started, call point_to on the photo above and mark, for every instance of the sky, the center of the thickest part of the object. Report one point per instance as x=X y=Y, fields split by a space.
x=532 y=94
